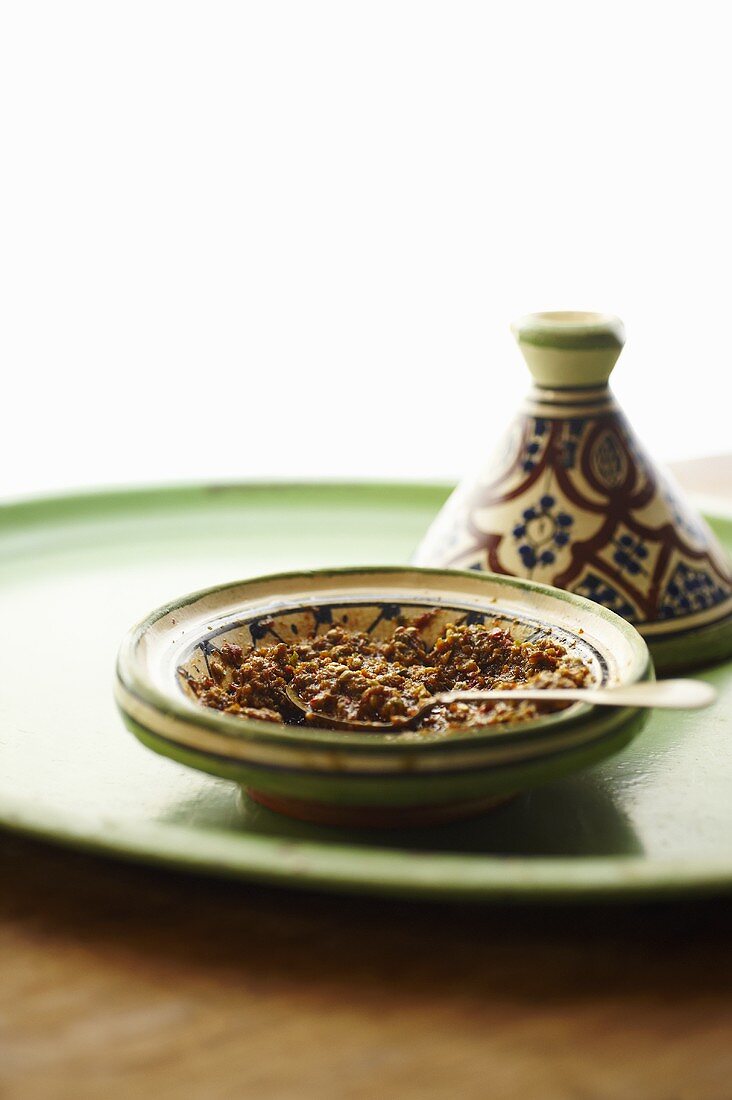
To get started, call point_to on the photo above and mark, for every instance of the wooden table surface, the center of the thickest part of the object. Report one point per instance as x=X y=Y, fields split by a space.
x=119 y=981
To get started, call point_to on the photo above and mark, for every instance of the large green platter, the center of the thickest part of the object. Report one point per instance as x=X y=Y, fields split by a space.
x=76 y=571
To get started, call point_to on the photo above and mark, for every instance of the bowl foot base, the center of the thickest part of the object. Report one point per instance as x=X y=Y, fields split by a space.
x=375 y=817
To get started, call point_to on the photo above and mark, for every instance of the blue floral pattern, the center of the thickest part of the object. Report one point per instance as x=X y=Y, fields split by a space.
x=601 y=591
x=630 y=555
x=575 y=501
x=689 y=590
x=544 y=528
x=533 y=448
x=570 y=443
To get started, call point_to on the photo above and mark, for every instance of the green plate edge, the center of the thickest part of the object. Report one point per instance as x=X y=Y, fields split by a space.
x=346 y=867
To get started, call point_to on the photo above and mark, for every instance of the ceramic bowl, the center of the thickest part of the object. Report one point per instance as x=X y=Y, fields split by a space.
x=338 y=777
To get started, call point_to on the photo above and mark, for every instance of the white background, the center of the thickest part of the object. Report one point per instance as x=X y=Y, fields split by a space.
x=287 y=239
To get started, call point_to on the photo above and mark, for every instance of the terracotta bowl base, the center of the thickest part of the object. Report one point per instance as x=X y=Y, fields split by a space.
x=375 y=817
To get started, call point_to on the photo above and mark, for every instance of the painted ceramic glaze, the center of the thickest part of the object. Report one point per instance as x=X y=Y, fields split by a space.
x=571 y=499
x=351 y=778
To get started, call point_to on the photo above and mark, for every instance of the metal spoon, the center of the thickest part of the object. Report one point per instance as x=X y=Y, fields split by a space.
x=668 y=694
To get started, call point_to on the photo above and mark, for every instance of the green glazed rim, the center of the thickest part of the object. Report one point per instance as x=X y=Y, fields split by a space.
x=570 y=330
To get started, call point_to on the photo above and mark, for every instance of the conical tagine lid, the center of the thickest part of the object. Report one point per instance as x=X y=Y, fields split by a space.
x=571 y=499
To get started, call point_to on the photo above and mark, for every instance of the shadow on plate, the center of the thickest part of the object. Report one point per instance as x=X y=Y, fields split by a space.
x=573 y=818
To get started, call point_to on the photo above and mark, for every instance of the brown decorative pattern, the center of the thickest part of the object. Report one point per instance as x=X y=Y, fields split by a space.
x=576 y=503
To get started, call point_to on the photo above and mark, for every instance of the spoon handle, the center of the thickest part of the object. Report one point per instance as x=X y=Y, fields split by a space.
x=667 y=694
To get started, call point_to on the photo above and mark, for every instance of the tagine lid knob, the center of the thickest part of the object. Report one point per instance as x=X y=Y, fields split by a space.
x=569 y=348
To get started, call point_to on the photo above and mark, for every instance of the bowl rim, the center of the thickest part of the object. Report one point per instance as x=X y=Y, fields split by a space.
x=141 y=700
